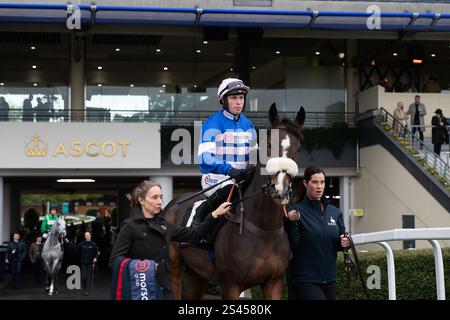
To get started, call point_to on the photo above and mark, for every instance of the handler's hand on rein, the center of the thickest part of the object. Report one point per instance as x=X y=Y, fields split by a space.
x=293 y=215
x=345 y=242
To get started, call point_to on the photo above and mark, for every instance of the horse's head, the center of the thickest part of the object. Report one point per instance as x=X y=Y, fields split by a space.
x=59 y=227
x=283 y=168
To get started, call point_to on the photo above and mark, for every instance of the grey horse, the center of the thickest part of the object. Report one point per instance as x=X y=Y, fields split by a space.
x=52 y=254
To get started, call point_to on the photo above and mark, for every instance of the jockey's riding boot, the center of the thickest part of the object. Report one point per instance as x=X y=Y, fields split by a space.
x=211 y=204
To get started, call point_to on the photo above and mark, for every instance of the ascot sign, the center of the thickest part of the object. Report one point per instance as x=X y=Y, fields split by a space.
x=38 y=148
x=80 y=145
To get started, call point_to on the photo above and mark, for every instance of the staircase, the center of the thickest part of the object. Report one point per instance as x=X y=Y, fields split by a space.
x=430 y=170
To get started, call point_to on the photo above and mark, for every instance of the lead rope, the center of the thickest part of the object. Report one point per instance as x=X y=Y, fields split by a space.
x=354 y=262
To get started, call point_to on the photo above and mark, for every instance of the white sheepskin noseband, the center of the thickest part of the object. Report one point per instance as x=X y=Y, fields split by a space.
x=275 y=165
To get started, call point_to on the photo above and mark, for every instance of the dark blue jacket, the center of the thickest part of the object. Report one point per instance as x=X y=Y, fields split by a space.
x=16 y=251
x=89 y=251
x=315 y=240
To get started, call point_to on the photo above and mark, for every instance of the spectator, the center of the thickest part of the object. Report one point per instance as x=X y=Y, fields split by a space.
x=4 y=109
x=16 y=255
x=400 y=116
x=35 y=255
x=439 y=131
x=417 y=111
x=27 y=110
x=42 y=111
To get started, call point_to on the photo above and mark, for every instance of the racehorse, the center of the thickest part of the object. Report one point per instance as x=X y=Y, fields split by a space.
x=52 y=254
x=257 y=252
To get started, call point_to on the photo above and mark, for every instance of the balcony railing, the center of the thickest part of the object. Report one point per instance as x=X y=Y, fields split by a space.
x=173 y=118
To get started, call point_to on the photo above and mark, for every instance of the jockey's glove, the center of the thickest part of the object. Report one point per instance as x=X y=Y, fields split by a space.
x=45 y=235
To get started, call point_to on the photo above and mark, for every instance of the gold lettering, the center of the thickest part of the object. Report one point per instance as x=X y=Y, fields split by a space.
x=60 y=149
x=76 y=147
x=114 y=149
x=124 y=145
x=88 y=145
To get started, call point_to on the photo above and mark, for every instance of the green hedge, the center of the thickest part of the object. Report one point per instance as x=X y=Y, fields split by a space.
x=414 y=274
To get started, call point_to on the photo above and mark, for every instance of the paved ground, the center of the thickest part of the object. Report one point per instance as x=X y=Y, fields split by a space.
x=29 y=291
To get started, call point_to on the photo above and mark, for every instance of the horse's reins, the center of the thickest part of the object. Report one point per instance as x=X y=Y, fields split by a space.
x=203 y=191
x=242 y=221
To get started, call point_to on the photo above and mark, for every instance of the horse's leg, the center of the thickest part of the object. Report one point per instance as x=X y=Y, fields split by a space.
x=273 y=289
x=195 y=285
x=230 y=291
x=176 y=270
x=57 y=269
x=52 y=277
x=47 y=277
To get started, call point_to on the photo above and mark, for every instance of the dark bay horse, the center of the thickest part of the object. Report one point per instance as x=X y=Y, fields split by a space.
x=52 y=254
x=258 y=256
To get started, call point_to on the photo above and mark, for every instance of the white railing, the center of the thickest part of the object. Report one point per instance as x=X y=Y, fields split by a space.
x=430 y=234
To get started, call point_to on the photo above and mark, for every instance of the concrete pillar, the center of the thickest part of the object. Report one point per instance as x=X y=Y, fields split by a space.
x=351 y=76
x=77 y=87
x=5 y=208
x=344 y=203
x=2 y=212
x=123 y=206
x=167 y=187
x=14 y=206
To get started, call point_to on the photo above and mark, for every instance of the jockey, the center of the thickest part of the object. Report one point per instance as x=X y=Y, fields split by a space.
x=226 y=142
x=48 y=222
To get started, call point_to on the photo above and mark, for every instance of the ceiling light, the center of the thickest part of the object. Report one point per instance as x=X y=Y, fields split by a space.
x=277 y=52
x=317 y=53
x=373 y=62
x=34 y=66
x=433 y=55
x=158 y=50
x=341 y=55
x=253 y=67
x=35 y=84
x=161 y=91
x=74 y=180
x=195 y=86
x=32 y=48
x=205 y=42
x=417 y=61
x=99 y=67
x=2 y=83
x=99 y=85
x=117 y=49
x=395 y=54
x=132 y=85
x=163 y=86
x=199 y=51
x=165 y=68
x=231 y=69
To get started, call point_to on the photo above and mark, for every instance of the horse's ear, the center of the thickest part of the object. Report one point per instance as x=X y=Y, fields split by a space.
x=273 y=115
x=300 y=118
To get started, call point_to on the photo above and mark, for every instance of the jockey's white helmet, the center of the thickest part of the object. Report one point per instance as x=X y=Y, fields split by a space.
x=231 y=86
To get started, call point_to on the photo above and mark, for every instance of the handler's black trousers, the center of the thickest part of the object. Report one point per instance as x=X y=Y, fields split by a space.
x=315 y=291
x=87 y=271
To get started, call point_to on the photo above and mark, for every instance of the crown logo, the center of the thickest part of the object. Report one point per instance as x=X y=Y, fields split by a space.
x=36 y=147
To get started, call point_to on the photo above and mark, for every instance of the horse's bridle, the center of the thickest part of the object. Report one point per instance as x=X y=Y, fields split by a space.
x=270 y=186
